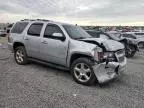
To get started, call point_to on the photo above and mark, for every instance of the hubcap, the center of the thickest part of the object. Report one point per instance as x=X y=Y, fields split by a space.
x=19 y=56
x=82 y=72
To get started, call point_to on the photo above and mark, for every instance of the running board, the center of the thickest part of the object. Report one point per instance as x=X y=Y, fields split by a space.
x=48 y=64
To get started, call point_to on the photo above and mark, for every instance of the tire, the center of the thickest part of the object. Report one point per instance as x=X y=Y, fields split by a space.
x=20 y=55
x=87 y=70
x=141 y=45
x=130 y=50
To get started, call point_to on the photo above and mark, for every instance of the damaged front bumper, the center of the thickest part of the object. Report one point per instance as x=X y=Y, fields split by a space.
x=108 y=71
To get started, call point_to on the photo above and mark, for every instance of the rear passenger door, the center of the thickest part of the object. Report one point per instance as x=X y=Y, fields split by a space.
x=32 y=40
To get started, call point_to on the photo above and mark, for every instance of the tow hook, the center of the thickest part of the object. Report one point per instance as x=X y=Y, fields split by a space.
x=107 y=61
x=116 y=70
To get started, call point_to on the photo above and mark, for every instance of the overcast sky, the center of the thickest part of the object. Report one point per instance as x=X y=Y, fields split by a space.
x=82 y=12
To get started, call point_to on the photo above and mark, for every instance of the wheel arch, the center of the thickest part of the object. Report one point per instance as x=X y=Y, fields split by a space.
x=140 y=42
x=75 y=56
x=17 y=44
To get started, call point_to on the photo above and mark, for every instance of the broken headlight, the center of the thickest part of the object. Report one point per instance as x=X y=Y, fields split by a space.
x=101 y=56
x=110 y=56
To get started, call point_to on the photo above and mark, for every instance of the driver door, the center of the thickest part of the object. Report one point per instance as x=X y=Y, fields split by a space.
x=54 y=49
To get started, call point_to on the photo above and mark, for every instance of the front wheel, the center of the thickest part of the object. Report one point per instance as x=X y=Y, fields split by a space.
x=130 y=50
x=82 y=71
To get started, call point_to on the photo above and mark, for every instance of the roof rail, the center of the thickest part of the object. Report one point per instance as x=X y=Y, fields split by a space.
x=35 y=20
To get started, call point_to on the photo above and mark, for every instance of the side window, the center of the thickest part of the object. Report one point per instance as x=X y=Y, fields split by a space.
x=50 y=29
x=19 y=27
x=35 y=29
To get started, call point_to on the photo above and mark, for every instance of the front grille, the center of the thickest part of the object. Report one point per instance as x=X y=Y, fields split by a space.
x=121 y=59
x=120 y=52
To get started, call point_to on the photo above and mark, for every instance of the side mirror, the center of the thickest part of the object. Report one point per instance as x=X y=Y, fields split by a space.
x=58 y=36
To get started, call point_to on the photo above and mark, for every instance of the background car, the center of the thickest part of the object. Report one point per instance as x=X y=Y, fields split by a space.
x=135 y=37
x=2 y=33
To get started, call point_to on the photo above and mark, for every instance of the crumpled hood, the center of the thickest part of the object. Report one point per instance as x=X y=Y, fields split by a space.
x=110 y=45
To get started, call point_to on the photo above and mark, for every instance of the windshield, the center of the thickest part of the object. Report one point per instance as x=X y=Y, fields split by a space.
x=115 y=36
x=76 y=32
x=139 y=34
x=129 y=36
x=93 y=34
x=99 y=35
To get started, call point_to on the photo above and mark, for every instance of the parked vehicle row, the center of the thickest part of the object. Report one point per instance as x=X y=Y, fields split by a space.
x=69 y=47
x=2 y=33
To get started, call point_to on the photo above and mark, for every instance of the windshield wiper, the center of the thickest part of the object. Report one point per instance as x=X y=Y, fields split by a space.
x=80 y=38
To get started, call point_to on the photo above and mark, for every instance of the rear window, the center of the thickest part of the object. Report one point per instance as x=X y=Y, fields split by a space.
x=19 y=27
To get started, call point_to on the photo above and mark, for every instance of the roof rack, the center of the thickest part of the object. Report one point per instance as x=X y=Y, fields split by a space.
x=35 y=20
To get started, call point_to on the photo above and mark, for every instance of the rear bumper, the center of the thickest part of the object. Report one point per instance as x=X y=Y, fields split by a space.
x=106 y=72
x=10 y=46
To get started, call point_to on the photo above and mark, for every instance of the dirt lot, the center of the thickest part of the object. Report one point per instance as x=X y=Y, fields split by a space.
x=3 y=39
x=38 y=86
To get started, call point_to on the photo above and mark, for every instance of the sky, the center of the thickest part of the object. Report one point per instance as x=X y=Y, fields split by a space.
x=81 y=12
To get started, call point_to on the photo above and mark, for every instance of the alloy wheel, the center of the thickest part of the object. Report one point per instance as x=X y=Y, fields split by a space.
x=82 y=72
x=19 y=56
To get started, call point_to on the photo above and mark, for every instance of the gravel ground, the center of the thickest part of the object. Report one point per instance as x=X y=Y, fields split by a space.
x=38 y=86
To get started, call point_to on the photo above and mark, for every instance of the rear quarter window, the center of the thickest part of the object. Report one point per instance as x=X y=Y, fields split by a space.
x=139 y=33
x=19 y=27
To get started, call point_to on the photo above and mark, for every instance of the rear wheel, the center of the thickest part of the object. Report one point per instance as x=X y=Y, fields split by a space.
x=82 y=71
x=130 y=50
x=20 y=55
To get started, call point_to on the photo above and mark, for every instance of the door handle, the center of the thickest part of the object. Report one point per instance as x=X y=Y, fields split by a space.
x=26 y=38
x=44 y=42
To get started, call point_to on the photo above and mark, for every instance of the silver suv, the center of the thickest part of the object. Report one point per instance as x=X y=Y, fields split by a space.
x=68 y=47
